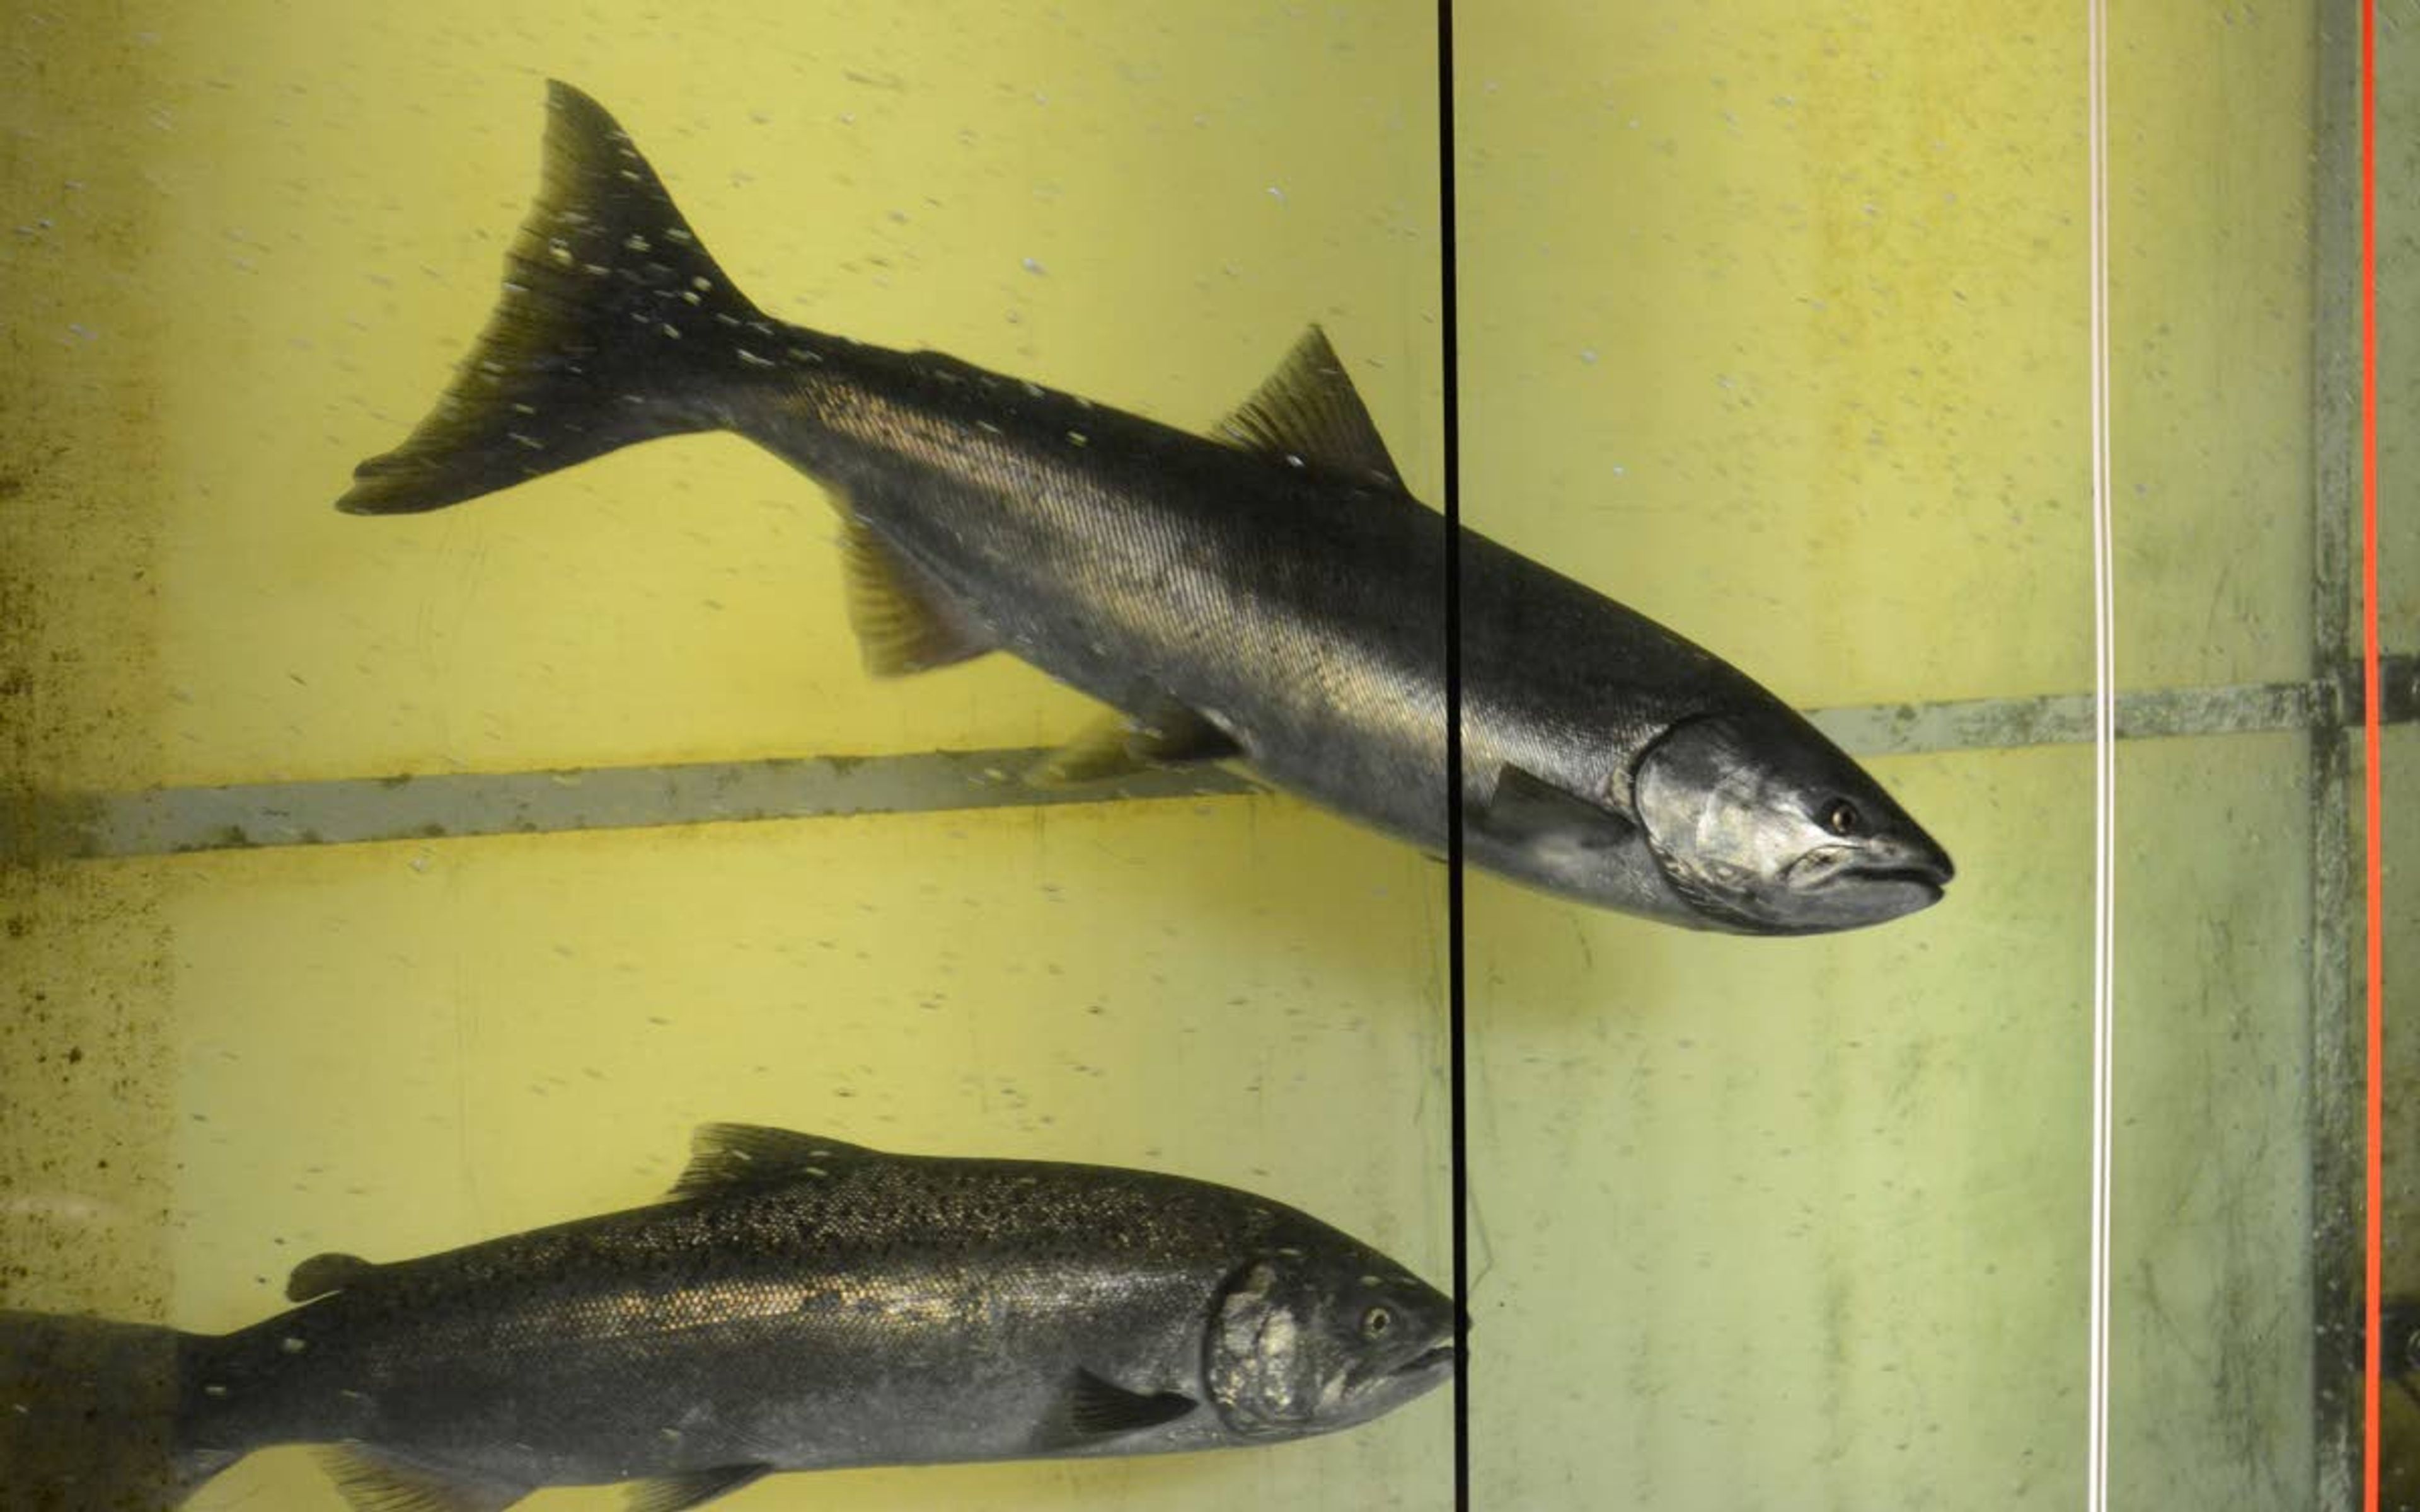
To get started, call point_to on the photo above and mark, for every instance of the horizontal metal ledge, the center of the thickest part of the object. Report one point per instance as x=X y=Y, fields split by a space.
x=2066 y=719
x=446 y=806
x=171 y=821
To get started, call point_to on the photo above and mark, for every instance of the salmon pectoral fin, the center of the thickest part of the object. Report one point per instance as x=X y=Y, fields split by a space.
x=1097 y=1408
x=1170 y=734
x=1528 y=810
x=379 y=1480
x=906 y=622
x=677 y=1493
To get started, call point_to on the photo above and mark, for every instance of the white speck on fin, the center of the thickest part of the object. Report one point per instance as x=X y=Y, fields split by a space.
x=738 y=1157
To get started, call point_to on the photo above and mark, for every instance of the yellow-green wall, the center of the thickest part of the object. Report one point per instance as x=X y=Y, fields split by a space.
x=1775 y=324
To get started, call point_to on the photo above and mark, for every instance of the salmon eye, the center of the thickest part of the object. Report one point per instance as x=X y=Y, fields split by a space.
x=1376 y=1323
x=1840 y=817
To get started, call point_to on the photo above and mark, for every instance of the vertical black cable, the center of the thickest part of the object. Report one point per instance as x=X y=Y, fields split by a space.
x=1457 y=1005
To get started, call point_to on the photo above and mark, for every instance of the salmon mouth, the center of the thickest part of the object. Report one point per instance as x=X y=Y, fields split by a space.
x=1831 y=867
x=1886 y=895
x=1443 y=1355
x=1931 y=881
x=1437 y=1359
x=1885 y=892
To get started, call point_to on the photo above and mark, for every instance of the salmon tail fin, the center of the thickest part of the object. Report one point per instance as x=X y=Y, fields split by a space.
x=92 y=1416
x=614 y=326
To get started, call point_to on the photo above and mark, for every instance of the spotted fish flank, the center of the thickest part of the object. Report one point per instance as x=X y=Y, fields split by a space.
x=796 y=1303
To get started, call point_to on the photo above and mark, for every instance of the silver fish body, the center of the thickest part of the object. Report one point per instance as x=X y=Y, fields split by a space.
x=1270 y=593
x=801 y=1304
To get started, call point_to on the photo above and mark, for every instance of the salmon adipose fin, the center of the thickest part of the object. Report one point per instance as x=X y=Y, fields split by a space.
x=612 y=318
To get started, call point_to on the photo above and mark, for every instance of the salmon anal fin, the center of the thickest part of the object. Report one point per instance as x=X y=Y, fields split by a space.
x=376 y=1480
x=905 y=622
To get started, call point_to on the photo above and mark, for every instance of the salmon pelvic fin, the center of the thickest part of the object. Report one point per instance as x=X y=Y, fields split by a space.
x=614 y=326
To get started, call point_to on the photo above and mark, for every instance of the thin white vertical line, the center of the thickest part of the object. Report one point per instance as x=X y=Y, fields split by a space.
x=2104 y=768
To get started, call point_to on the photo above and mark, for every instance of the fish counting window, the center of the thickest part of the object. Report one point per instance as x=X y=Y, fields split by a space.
x=400 y=892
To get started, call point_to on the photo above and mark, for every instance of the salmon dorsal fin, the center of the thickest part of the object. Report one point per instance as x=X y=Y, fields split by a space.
x=1169 y=734
x=905 y=622
x=323 y=1274
x=1309 y=413
x=746 y=1157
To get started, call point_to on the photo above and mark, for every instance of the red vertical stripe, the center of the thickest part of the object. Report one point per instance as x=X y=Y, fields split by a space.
x=2372 y=876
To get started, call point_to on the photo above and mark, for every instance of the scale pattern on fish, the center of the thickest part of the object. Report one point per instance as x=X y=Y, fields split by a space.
x=1269 y=592
x=797 y=1303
